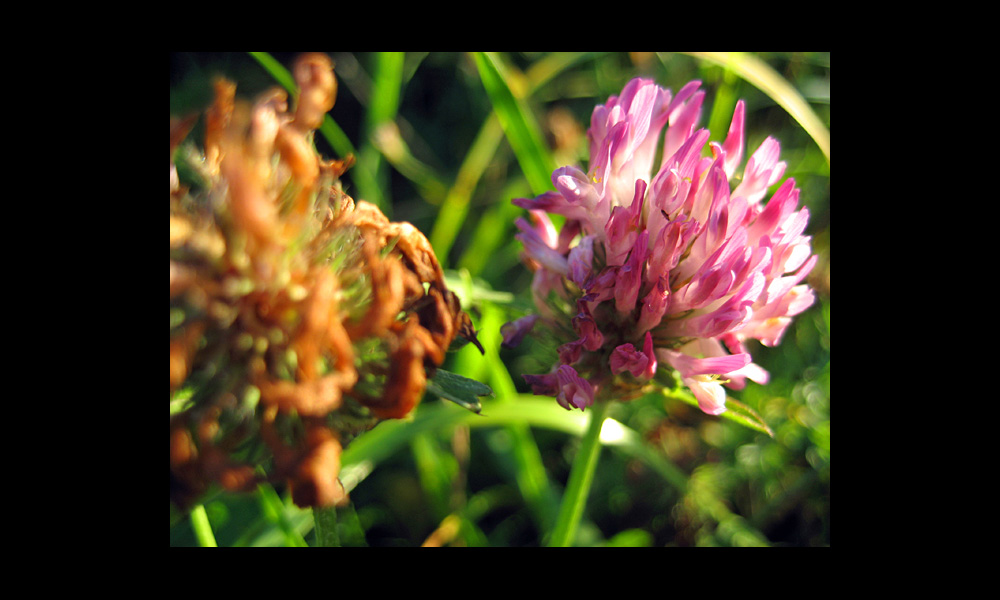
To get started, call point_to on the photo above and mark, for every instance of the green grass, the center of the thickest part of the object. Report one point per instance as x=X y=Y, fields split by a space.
x=445 y=141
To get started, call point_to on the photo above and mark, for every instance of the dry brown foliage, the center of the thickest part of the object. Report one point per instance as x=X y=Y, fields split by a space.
x=299 y=318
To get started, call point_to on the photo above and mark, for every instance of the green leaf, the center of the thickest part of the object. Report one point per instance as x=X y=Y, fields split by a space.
x=286 y=519
x=735 y=411
x=630 y=538
x=325 y=526
x=462 y=391
x=352 y=534
x=746 y=416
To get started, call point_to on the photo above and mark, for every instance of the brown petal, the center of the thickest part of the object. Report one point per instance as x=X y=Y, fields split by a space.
x=315 y=482
x=317 y=89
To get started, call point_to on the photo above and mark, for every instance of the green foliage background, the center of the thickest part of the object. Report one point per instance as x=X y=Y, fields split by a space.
x=445 y=141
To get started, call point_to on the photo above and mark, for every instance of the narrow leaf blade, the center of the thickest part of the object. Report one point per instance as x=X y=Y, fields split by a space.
x=735 y=411
x=520 y=126
x=462 y=391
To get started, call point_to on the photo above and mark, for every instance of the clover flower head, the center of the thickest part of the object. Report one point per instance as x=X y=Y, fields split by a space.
x=668 y=265
x=299 y=318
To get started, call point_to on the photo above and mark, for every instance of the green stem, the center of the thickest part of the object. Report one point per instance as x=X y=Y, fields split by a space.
x=202 y=528
x=580 y=477
x=325 y=525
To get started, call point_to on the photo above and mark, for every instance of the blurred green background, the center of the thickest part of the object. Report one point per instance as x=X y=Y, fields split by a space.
x=445 y=141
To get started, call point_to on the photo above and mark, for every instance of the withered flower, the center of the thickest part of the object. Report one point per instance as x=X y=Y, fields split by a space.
x=298 y=318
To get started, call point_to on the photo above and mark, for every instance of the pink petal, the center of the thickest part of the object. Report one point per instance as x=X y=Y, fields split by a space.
x=574 y=391
x=627 y=358
x=654 y=306
x=689 y=366
x=733 y=146
x=581 y=261
x=711 y=397
x=630 y=276
x=513 y=333
x=537 y=248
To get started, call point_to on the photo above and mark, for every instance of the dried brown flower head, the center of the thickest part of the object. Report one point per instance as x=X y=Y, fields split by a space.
x=299 y=318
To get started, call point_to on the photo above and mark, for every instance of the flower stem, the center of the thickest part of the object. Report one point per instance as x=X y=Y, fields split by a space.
x=580 y=477
x=325 y=525
x=202 y=528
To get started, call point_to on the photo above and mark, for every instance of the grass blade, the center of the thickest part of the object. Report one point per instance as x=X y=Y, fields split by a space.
x=383 y=104
x=736 y=412
x=519 y=125
x=274 y=510
x=580 y=478
x=769 y=81
x=202 y=528
x=325 y=526
x=455 y=208
x=453 y=212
